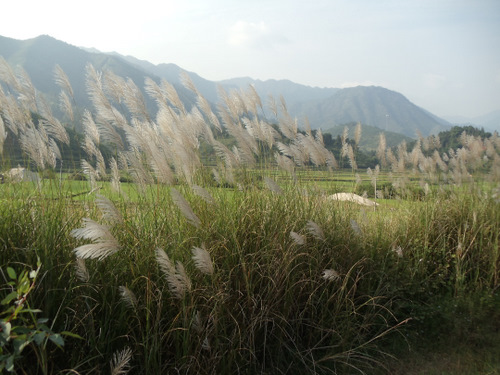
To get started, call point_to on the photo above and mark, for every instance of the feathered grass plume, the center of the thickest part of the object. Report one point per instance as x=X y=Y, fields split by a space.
x=330 y=275
x=203 y=193
x=297 y=238
x=398 y=251
x=128 y=296
x=65 y=105
x=272 y=185
x=185 y=208
x=108 y=209
x=120 y=362
x=315 y=230
x=202 y=260
x=357 y=133
x=381 y=150
x=115 y=175
x=104 y=243
x=177 y=279
x=3 y=134
x=81 y=270
x=62 y=80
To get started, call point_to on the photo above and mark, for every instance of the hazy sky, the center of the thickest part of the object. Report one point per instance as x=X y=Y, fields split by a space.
x=443 y=55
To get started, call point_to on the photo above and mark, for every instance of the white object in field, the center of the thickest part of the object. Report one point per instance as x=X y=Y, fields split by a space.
x=351 y=197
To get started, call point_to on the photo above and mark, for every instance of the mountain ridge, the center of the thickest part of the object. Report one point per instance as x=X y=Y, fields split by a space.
x=324 y=107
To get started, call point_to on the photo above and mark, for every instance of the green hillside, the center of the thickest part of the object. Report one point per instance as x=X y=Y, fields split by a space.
x=369 y=135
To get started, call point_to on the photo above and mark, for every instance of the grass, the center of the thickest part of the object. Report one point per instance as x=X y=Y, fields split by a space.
x=300 y=284
x=267 y=307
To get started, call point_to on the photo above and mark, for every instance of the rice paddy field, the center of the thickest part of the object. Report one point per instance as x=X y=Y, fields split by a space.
x=157 y=262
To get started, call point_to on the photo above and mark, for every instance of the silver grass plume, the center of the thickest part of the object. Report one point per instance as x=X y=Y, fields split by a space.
x=104 y=243
x=173 y=96
x=90 y=172
x=398 y=251
x=81 y=270
x=55 y=150
x=34 y=143
x=203 y=193
x=134 y=100
x=359 y=180
x=382 y=145
x=65 y=105
x=177 y=280
x=272 y=105
x=128 y=297
x=352 y=159
x=90 y=127
x=287 y=125
x=197 y=323
x=319 y=137
x=330 y=275
x=107 y=115
x=188 y=82
x=357 y=133
x=297 y=238
x=62 y=80
x=186 y=210
x=202 y=260
x=273 y=186
x=216 y=176
x=120 y=362
x=286 y=164
x=113 y=86
x=307 y=127
x=108 y=209
x=7 y=75
x=3 y=134
x=182 y=275
x=115 y=175
x=207 y=110
x=55 y=129
x=252 y=93
x=345 y=133
x=315 y=230
x=154 y=91
x=28 y=94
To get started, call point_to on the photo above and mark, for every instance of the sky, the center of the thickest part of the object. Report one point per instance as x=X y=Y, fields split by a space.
x=443 y=55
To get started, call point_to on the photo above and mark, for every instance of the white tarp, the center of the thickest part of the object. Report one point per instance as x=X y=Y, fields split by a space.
x=351 y=197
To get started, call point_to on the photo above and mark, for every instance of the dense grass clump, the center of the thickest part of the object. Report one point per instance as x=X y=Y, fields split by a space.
x=334 y=294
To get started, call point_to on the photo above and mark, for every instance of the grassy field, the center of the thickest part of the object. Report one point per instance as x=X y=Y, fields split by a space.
x=154 y=260
x=407 y=280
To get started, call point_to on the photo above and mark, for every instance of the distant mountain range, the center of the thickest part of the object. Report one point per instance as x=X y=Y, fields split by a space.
x=324 y=107
x=490 y=122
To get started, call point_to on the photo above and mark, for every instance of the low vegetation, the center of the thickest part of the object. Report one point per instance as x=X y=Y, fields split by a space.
x=154 y=257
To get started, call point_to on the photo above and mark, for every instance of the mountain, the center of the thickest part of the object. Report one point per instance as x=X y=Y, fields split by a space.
x=172 y=73
x=324 y=107
x=374 y=106
x=39 y=56
x=293 y=93
x=490 y=121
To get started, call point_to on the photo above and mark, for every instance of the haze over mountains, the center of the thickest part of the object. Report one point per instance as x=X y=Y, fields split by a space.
x=324 y=107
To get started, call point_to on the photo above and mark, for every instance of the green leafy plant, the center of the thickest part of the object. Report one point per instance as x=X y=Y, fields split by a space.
x=19 y=326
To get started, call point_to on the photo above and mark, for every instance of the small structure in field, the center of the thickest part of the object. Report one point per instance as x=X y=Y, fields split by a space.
x=351 y=197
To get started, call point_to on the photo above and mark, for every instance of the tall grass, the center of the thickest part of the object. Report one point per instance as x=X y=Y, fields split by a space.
x=244 y=267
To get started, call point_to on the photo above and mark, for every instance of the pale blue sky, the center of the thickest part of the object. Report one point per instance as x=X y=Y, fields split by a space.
x=444 y=55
